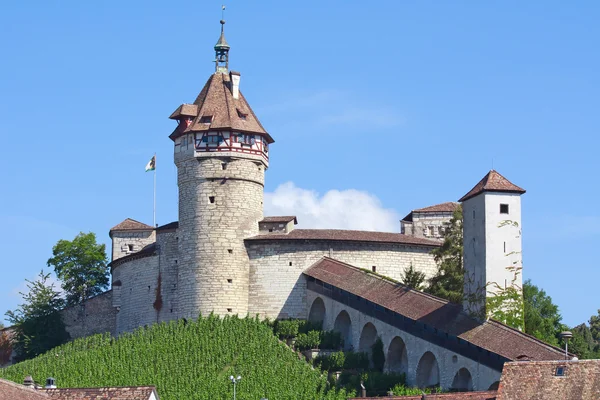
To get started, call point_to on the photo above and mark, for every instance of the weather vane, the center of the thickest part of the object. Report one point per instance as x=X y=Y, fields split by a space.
x=223 y=11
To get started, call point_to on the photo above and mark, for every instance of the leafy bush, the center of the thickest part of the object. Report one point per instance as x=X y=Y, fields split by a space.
x=331 y=340
x=287 y=328
x=310 y=340
x=305 y=326
x=337 y=361
x=377 y=355
x=401 y=390
x=358 y=360
x=203 y=352
x=379 y=383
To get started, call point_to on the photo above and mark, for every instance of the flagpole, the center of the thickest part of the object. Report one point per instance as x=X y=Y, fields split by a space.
x=154 y=208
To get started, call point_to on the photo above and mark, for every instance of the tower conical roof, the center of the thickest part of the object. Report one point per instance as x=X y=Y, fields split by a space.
x=215 y=108
x=222 y=43
x=493 y=182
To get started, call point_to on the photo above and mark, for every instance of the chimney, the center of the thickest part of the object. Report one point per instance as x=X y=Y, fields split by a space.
x=28 y=381
x=235 y=84
x=50 y=383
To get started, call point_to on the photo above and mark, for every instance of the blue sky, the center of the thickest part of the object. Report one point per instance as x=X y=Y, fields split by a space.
x=376 y=109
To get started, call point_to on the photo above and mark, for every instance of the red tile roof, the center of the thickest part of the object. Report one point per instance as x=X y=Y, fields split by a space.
x=107 y=393
x=131 y=225
x=226 y=113
x=346 y=235
x=13 y=391
x=282 y=219
x=436 y=312
x=438 y=208
x=529 y=380
x=489 y=395
x=492 y=182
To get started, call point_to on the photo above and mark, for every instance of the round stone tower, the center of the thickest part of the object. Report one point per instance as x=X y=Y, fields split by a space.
x=221 y=153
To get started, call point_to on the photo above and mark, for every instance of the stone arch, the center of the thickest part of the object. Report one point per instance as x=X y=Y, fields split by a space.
x=368 y=337
x=317 y=311
x=494 y=386
x=428 y=371
x=343 y=325
x=397 y=357
x=462 y=382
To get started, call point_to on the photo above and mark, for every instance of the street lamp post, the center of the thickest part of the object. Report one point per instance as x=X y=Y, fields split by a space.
x=234 y=381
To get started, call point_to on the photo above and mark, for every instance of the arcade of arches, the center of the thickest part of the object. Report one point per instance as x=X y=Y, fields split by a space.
x=424 y=364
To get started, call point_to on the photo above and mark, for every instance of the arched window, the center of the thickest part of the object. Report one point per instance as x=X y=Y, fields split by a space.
x=367 y=338
x=428 y=372
x=462 y=382
x=397 y=358
x=343 y=325
x=317 y=311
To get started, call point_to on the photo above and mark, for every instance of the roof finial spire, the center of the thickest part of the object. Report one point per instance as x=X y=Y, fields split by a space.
x=222 y=48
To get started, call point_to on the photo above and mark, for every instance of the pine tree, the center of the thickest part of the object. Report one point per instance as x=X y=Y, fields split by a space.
x=412 y=278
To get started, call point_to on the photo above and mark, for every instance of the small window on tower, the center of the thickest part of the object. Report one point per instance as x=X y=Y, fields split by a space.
x=130 y=247
x=211 y=199
x=503 y=208
x=206 y=119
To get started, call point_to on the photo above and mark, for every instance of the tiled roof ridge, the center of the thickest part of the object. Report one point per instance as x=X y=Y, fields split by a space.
x=105 y=387
x=385 y=279
x=493 y=181
x=525 y=336
x=296 y=234
x=21 y=387
x=428 y=208
x=143 y=225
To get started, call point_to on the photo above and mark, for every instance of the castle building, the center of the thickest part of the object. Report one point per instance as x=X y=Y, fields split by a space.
x=224 y=256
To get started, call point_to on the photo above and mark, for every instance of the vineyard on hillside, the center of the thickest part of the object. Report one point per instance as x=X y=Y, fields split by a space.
x=184 y=360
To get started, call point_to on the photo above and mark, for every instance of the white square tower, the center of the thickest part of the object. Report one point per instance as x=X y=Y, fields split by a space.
x=492 y=253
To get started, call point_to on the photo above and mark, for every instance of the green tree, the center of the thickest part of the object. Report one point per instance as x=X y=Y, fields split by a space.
x=595 y=326
x=583 y=344
x=82 y=267
x=542 y=318
x=413 y=278
x=448 y=280
x=37 y=323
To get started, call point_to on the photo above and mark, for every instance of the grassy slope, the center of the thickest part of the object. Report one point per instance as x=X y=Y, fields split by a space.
x=184 y=361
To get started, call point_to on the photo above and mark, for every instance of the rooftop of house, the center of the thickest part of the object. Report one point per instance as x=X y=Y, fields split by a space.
x=346 y=236
x=447 y=207
x=435 y=312
x=564 y=380
x=281 y=219
x=488 y=395
x=492 y=182
x=14 y=391
x=104 y=393
x=130 y=225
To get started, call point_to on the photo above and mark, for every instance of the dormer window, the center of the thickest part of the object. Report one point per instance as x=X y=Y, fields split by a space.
x=241 y=114
x=560 y=371
x=206 y=119
x=213 y=139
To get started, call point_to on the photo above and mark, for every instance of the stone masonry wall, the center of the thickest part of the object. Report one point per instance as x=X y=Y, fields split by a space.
x=125 y=243
x=220 y=204
x=278 y=290
x=95 y=315
x=448 y=361
x=423 y=221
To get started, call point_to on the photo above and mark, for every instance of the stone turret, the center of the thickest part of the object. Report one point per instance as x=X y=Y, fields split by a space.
x=221 y=154
x=492 y=240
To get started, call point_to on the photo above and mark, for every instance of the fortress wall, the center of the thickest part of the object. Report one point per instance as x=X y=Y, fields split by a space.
x=95 y=315
x=138 y=280
x=123 y=240
x=220 y=204
x=169 y=275
x=422 y=222
x=278 y=290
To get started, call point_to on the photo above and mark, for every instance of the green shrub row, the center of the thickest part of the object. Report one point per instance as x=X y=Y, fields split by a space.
x=343 y=360
x=329 y=340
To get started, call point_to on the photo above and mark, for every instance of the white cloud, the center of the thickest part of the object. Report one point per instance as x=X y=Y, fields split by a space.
x=336 y=209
